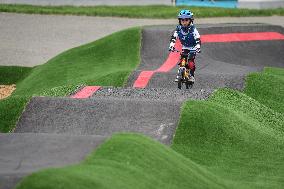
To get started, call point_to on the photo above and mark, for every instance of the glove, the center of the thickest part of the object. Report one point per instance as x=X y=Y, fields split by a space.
x=197 y=47
x=172 y=48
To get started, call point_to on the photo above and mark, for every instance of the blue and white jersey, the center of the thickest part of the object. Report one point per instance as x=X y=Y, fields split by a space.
x=188 y=36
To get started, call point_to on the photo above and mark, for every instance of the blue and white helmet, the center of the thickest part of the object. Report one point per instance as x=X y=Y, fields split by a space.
x=185 y=14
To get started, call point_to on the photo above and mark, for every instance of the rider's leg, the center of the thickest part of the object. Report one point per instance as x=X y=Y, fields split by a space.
x=177 y=77
x=183 y=55
x=191 y=66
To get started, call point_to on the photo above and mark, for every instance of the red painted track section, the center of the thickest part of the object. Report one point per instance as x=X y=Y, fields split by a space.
x=143 y=79
x=145 y=76
x=86 y=92
x=238 y=37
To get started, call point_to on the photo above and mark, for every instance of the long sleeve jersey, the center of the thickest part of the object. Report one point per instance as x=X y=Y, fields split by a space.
x=188 y=36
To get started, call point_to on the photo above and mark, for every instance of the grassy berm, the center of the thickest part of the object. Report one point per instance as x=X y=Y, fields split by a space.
x=232 y=140
x=238 y=136
x=102 y=63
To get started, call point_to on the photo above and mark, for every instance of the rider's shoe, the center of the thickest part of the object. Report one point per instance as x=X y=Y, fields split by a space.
x=191 y=79
x=177 y=78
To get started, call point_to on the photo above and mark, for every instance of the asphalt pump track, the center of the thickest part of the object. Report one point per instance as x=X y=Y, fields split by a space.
x=54 y=132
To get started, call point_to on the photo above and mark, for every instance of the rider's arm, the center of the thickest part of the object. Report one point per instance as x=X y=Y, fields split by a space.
x=197 y=38
x=173 y=40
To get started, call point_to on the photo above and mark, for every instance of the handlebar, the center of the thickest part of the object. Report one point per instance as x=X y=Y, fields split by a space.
x=175 y=50
x=190 y=51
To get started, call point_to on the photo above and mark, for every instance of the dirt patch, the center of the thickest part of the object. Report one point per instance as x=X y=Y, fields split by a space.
x=6 y=90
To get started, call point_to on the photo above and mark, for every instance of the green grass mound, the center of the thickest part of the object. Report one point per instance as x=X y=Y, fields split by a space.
x=151 y=11
x=105 y=62
x=235 y=136
x=108 y=61
x=127 y=161
x=268 y=88
x=10 y=110
x=13 y=74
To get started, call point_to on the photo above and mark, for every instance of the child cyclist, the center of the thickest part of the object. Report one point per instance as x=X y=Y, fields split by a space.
x=189 y=38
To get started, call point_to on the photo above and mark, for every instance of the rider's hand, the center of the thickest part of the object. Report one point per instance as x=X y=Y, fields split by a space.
x=198 y=48
x=171 y=48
